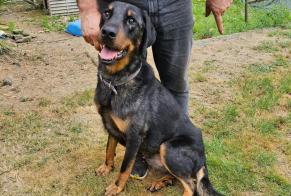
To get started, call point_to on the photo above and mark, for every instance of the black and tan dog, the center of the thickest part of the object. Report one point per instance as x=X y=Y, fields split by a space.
x=138 y=112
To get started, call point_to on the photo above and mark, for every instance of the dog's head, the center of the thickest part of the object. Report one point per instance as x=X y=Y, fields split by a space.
x=126 y=31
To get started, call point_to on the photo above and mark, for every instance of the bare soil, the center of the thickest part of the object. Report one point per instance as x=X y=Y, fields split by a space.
x=56 y=64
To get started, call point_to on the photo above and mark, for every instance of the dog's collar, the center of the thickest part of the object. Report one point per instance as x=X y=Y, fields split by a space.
x=111 y=85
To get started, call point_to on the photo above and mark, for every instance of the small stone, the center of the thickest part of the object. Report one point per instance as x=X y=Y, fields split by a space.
x=17 y=37
x=25 y=34
x=24 y=40
x=17 y=31
x=4 y=27
x=15 y=89
x=16 y=64
x=25 y=99
x=7 y=82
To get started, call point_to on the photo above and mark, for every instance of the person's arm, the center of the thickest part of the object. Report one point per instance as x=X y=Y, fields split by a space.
x=90 y=20
x=217 y=7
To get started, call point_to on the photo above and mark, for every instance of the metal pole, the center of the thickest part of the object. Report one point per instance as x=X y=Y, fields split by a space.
x=246 y=11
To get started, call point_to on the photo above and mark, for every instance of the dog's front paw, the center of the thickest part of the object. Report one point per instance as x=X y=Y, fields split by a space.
x=103 y=170
x=113 y=190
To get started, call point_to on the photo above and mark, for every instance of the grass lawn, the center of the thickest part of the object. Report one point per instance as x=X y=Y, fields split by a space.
x=54 y=149
x=233 y=19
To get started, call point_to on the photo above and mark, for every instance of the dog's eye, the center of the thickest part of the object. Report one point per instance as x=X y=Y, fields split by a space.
x=107 y=14
x=130 y=20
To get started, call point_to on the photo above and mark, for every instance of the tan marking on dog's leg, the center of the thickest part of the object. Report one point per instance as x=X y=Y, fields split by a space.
x=118 y=185
x=200 y=174
x=105 y=168
x=187 y=183
x=122 y=125
x=188 y=186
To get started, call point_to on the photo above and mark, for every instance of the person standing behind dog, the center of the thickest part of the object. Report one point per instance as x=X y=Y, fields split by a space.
x=173 y=21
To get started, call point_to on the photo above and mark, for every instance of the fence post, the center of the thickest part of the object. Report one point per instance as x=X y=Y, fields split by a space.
x=246 y=11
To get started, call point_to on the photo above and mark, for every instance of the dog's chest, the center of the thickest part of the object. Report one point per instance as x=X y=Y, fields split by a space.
x=120 y=123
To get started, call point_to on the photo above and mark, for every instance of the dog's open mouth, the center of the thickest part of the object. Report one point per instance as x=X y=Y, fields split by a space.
x=110 y=55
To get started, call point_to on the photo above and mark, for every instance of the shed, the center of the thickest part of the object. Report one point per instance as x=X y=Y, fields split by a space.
x=62 y=7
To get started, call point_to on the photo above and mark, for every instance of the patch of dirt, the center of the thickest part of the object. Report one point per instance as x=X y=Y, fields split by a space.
x=55 y=65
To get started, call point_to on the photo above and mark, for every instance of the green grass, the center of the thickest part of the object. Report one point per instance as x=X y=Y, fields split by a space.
x=5 y=48
x=56 y=23
x=11 y=26
x=233 y=19
x=199 y=77
x=267 y=46
x=282 y=34
x=261 y=68
x=247 y=137
x=79 y=99
x=285 y=84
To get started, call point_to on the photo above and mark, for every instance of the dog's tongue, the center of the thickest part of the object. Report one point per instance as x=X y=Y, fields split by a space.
x=108 y=54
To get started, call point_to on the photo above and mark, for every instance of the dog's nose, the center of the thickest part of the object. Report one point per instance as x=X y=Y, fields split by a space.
x=109 y=32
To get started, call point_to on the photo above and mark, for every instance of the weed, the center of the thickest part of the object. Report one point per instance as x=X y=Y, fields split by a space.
x=260 y=92
x=11 y=26
x=278 y=181
x=53 y=23
x=230 y=113
x=43 y=161
x=56 y=23
x=267 y=127
x=263 y=158
x=281 y=61
x=5 y=48
x=266 y=46
x=199 y=77
x=9 y=113
x=261 y=68
x=285 y=44
x=208 y=66
x=79 y=99
x=277 y=33
x=76 y=128
x=44 y=102
x=269 y=67
x=285 y=84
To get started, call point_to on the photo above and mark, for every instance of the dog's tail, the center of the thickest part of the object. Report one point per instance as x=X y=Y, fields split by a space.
x=204 y=186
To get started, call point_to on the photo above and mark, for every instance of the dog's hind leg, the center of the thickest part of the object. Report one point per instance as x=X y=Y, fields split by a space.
x=181 y=166
x=161 y=183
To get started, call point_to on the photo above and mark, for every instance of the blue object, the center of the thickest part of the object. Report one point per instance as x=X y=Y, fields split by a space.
x=74 y=28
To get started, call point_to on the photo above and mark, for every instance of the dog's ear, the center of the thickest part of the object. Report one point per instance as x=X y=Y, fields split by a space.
x=149 y=34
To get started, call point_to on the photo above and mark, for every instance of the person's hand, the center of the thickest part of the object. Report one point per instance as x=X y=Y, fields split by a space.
x=217 y=7
x=90 y=21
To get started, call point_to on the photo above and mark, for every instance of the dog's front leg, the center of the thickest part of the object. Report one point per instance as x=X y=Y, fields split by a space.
x=106 y=167
x=133 y=141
